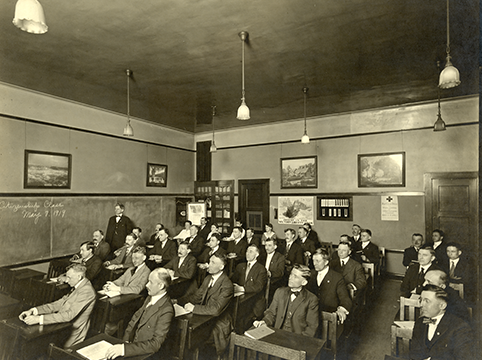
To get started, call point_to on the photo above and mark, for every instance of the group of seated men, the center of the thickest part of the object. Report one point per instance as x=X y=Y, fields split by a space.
x=304 y=281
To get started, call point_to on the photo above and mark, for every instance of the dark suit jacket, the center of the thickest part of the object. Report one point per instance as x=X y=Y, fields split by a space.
x=308 y=245
x=204 y=257
x=441 y=253
x=370 y=251
x=254 y=240
x=257 y=277
x=168 y=252
x=239 y=249
x=332 y=292
x=312 y=235
x=276 y=266
x=124 y=258
x=133 y=284
x=464 y=274
x=93 y=265
x=116 y=232
x=148 y=328
x=410 y=256
x=187 y=269
x=294 y=255
x=197 y=245
x=353 y=273
x=102 y=250
x=456 y=305
x=412 y=280
x=453 y=339
x=204 y=232
x=304 y=311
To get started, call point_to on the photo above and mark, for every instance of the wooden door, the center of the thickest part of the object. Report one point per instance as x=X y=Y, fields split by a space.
x=254 y=203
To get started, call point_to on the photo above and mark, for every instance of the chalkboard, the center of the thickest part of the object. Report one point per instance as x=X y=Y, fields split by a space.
x=36 y=228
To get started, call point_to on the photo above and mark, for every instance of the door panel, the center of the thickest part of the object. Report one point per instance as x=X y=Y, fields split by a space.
x=254 y=203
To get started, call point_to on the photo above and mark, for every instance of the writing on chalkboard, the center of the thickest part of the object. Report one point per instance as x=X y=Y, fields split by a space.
x=35 y=209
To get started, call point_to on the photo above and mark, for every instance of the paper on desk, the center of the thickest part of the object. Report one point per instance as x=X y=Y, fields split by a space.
x=54 y=279
x=109 y=293
x=95 y=351
x=179 y=310
x=405 y=324
x=259 y=332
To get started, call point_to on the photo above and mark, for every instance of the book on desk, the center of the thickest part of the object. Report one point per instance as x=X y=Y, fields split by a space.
x=259 y=332
x=95 y=351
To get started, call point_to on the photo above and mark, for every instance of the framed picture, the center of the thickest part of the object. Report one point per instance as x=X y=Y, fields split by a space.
x=156 y=175
x=381 y=170
x=299 y=173
x=295 y=210
x=47 y=170
x=196 y=211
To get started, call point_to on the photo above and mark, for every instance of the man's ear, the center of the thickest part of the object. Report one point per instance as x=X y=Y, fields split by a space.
x=443 y=305
x=304 y=282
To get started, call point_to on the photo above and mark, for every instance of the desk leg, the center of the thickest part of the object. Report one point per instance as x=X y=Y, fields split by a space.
x=182 y=340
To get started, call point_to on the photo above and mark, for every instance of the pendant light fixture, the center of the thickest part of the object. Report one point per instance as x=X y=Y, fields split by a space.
x=29 y=16
x=213 y=147
x=128 y=130
x=305 y=139
x=450 y=76
x=243 y=110
x=439 y=124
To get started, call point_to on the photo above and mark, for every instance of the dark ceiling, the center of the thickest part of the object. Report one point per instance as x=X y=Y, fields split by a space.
x=186 y=55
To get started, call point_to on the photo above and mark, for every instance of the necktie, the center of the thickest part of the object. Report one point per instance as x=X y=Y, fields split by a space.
x=294 y=295
x=452 y=269
x=133 y=271
x=248 y=267
x=342 y=264
x=421 y=275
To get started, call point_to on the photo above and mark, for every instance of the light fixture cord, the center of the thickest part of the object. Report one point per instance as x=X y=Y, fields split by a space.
x=214 y=113
x=448 y=29
x=305 y=90
x=128 y=96
x=438 y=91
x=242 y=68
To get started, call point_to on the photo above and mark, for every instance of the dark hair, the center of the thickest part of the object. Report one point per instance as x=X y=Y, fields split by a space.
x=221 y=257
x=455 y=245
x=305 y=271
x=251 y=229
x=301 y=227
x=215 y=235
x=274 y=240
x=120 y=205
x=356 y=226
x=139 y=249
x=99 y=230
x=187 y=243
x=89 y=245
x=307 y=225
x=441 y=233
x=188 y=221
x=439 y=292
x=323 y=253
x=417 y=234
x=291 y=231
x=368 y=231
x=269 y=225
x=345 y=235
x=347 y=243
x=138 y=228
x=166 y=230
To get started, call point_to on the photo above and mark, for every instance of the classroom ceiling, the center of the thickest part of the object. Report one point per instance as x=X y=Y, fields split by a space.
x=185 y=56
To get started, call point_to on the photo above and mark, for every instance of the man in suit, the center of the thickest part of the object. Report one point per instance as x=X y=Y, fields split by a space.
x=204 y=228
x=183 y=265
x=311 y=234
x=438 y=334
x=164 y=250
x=87 y=258
x=355 y=230
x=123 y=259
x=293 y=308
x=414 y=276
x=308 y=245
x=138 y=231
x=440 y=247
x=410 y=255
x=118 y=227
x=196 y=241
x=251 y=238
x=460 y=270
x=212 y=247
x=293 y=251
x=274 y=261
x=212 y=298
x=367 y=251
x=134 y=280
x=149 y=326
x=153 y=238
x=329 y=286
x=237 y=247
x=102 y=248
x=350 y=269
x=75 y=306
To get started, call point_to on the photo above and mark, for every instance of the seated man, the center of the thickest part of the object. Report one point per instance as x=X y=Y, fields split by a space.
x=351 y=270
x=308 y=245
x=212 y=247
x=439 y=245
x=410 y=255
x=196 y=241
x=153 y=238
x=312 y=235
x=134 y=280
x=212 y=298
x=149 y=326
x=102 y=248
x=438 y=334
x=274 y=261
x=185 y=233
x=164 y=250
x=183 y=265
x=455 y=304
x=138 y=232
x=237 y=248
x=414 y=276
x=329 y=286
x=232 y=237
x=75 y=306
x=365 y=250
x=123 y=259
x=460 y=270
x=293 y=308
x=92 y=263
x=293 y=251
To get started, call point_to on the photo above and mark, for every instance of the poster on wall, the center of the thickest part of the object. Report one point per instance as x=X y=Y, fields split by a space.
x=389 y=208
x=295 y=209
x=196 y=211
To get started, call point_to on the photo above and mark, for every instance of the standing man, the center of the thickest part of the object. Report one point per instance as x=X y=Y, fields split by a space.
x=75 y=306
x=438 y=334
x=293 y=308
x=204 y=228
x=102 y=248
x=149 y=326
x=410 y=255
x=118 y=227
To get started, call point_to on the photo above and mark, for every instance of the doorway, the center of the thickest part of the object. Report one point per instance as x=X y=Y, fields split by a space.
x=253 y=203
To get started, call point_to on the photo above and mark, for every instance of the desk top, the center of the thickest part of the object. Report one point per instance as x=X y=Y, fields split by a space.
x=28 y=273
x=30 y=332
x=120 y=299
x=109 y=339
x=6 y=300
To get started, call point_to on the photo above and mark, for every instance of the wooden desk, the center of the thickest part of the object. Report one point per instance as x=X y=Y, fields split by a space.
x=192 y=330
x=243 y=304
x=179 y=287
x=9 y=307
x=33 y=340
x=109 y=339
x=22 y=280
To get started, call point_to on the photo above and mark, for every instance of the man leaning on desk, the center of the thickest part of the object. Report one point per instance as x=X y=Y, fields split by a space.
x=149 y=326
x=75 y=306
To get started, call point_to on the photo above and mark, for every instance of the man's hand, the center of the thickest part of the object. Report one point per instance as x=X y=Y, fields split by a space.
x=232 y=255
x=189 y=307
x=32 y=320
x=342 y=313
x=259 y=323
x=364 y=258
x=238 y=288
x=26 y=313
x=114 y=351
x=114 y=287
x=269 y=273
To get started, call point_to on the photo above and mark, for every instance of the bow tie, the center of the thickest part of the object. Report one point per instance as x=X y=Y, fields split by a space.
x=427 y=320
x=295 y=293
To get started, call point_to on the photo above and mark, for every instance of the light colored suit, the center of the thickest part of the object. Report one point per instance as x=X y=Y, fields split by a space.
x=133 y=284
x=76 y=307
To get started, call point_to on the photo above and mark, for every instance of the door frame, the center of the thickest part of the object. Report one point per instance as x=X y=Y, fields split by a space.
x=242 y=199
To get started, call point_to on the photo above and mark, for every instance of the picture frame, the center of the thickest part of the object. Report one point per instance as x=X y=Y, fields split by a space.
x=295 y=210
x=196 y=211
x=299 y=172
x=381 y=170
x=47 y=170
x=156 y=175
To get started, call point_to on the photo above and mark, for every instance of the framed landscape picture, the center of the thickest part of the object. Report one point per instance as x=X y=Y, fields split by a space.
x=47 y=170
x=299 y=173
x=381 y=170
x=156 y=175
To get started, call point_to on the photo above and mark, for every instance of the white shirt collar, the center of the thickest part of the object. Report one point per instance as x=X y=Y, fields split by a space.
x=156 y=298
x=321 y=274
x=216 y=277
x=456 y=261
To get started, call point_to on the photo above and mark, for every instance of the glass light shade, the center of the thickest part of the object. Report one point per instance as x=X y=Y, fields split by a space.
x=213 y=147
x=128 y=130
x=243 y=111
x=305 y=139
x=449 y=77
x=439 y=124
x=29 y=16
